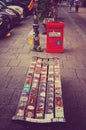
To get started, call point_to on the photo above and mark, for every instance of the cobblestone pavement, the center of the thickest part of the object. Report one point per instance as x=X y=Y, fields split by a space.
x=15 y=58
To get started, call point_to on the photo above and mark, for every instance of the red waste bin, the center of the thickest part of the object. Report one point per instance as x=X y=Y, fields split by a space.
x=55 y=33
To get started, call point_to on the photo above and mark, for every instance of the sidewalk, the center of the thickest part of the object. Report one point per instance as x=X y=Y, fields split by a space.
x=15 y=58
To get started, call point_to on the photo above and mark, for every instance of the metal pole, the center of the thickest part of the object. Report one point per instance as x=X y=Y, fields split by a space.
x=35 y=26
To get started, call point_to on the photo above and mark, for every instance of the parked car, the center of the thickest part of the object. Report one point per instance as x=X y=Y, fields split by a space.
x=12 y=14
x=19 y=9
x=5 y=25
x=22 y=3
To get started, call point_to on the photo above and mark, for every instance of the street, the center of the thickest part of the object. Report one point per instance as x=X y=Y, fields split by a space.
x=15 y=58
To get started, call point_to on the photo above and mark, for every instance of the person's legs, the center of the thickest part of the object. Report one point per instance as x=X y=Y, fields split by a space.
x=77 y=7
x=70 y=7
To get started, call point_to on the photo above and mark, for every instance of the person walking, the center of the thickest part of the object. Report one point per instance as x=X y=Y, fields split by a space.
x=70 y=4
x=77 y=3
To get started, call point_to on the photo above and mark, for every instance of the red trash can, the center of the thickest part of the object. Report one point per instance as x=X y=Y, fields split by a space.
x=55 y=33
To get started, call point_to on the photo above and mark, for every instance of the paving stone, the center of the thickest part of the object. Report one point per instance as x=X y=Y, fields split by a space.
x=4 y=62
x=25 y=62
x=3 y=50
x=68 y=73
x=4 y=81
x=24 y=56
x=6 y=95
x=17 y=71
x=12 y=51
x=8 y=56
x=7 y=111
x=16 y=96
x=4 y=70
x=68 y=64
x=81 y=73
x=23 y=50
x=4 y=123
x=17 y=81
x=13 y=62
x=74 y=96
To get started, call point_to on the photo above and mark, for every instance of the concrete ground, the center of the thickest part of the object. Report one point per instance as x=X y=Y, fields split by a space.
x=15 y=58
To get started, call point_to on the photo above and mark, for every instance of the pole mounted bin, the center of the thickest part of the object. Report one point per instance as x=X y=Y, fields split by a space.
x=55 y=33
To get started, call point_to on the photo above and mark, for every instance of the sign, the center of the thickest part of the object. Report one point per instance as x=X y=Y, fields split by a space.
x=54 y=34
